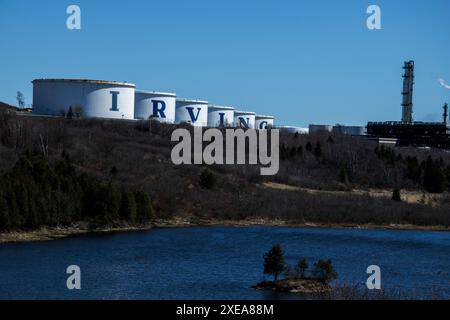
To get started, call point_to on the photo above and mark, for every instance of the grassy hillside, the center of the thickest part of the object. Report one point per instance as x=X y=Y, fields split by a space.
x=322 y=179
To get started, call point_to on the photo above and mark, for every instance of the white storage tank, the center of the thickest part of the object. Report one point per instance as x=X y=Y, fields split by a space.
x=220 y=116
x=194 y=112
x=244 y=119
x=89 y=98
x=294 y=130
x=316 y=128
x=350 y=130
x=263 y=122
x=159 y=106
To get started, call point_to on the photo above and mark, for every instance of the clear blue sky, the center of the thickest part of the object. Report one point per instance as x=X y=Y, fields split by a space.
x=302 y=61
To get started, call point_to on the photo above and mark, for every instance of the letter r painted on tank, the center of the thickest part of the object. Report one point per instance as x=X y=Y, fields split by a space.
x=263 y=125
x=222 y=118
x=194 y=118
x=115 y=95
x=158 y=109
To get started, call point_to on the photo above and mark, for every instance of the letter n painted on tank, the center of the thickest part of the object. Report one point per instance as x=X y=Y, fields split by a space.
x=115 y=106
x=194 y=118
x=263 y=125
x=158 y=109
x=243 y=123
x=222 y=118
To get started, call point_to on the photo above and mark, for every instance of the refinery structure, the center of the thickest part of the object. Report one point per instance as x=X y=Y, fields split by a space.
x=408 y=132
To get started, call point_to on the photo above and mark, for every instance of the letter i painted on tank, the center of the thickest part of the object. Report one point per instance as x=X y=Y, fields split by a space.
x=114 y=100
x=222 y=118
x=243 y=123
x=263 y=125
x=158 y=109
x=194 y=118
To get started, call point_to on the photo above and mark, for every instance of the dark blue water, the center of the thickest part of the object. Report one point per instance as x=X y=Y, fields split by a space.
x=218 y=262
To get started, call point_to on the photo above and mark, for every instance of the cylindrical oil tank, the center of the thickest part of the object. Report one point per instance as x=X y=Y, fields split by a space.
x=159 y=106
x=316 y=128
x=87 y=98
x=263 y=122
x=350 y=130
x=220 y=116
x=293 y=130
x=244 y=119
x=194 y=112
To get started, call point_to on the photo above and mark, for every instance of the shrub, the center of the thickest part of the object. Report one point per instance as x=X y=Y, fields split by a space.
x=396 y=195
x=324 y=271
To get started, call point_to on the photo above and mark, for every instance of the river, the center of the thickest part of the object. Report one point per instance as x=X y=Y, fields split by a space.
x=218 y=262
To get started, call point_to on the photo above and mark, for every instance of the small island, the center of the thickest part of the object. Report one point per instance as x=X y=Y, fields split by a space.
x=296 y=279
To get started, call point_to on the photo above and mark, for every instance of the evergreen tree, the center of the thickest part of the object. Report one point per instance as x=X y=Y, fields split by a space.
x=274 y=263
x=318 y=150
x=292 y=152
x=413 y=169
x=144 y=206
x=302 y=266
x=70 y=113
x=343 y=176
x=5 y=223
x=128 y=209
x=396 y=195
x=434 y=178
x=330 y=139
x=207 y=179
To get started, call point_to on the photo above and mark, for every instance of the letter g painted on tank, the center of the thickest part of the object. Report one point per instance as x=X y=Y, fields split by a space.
x=158 y=109
x=263 y=125
x=114 y=101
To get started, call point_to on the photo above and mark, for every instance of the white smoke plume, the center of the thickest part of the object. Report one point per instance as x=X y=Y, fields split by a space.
x=442 y=82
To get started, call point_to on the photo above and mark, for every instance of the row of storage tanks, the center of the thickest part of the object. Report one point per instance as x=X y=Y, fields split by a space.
x=121 y=100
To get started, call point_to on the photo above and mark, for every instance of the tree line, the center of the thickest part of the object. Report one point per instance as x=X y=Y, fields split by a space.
x=35 y=194
x=432 y=175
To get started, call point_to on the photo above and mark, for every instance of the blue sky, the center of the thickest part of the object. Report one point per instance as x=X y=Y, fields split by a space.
x=301 y=61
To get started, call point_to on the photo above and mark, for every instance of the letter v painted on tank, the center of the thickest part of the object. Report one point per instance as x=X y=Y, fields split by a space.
x=193 y=117
x=115 y=106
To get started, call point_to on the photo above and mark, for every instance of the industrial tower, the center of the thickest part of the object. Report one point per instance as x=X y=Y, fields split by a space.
x=408 y=84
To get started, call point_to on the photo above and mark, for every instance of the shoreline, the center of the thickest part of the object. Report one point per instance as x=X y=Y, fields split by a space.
x=48 y=234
